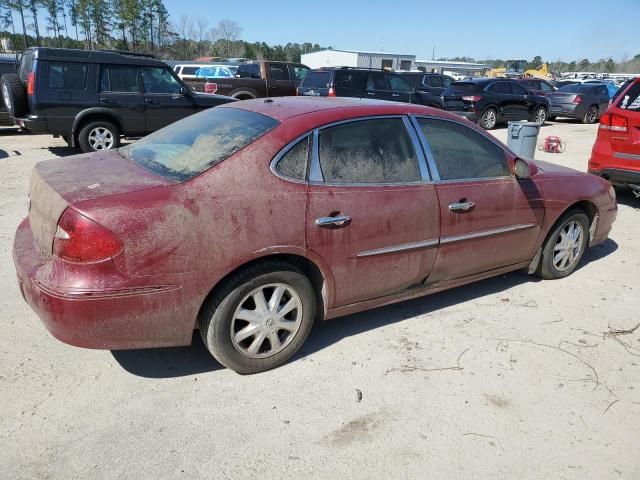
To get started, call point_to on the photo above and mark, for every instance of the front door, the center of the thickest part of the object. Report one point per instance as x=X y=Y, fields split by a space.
x=377 y=86
x=164 y=99
x=400 y=88
x=489 y=219
x=280 y=82
x=370 y=215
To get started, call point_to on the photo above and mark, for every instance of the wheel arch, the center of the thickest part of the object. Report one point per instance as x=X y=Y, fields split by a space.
x=241 y=92
x=93 y=114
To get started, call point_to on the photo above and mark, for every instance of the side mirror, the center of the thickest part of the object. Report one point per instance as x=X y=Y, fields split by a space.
x=185 y=91
x=524 y=169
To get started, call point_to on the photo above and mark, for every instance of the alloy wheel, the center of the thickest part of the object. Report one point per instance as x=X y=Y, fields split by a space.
x=541 y=116
x=101 y=138
x=566 y=250
x=592 y=115
x=489 y=119
x=266 y=320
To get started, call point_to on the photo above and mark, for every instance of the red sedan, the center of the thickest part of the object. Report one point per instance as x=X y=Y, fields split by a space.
x=251 y=221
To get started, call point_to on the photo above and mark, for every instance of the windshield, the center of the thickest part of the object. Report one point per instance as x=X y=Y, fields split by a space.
x=189 y=147
x=317 y=80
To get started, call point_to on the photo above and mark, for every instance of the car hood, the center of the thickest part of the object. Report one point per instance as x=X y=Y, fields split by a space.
x=56 y=184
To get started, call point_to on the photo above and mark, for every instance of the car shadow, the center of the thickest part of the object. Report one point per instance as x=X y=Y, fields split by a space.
x=9 y=131
x=625 y=196
x=63 y=151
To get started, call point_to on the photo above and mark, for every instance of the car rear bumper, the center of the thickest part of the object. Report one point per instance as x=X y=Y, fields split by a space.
x=32 y=124
x=130 y=316
x=566 y=110
x=618 y=176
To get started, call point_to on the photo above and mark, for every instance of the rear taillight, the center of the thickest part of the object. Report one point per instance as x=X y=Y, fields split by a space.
x=472 y=98
x=577 y=100
x=79 y=239
x=614 y=122
x=31 y=83
x=332 y=92
x=210 y=87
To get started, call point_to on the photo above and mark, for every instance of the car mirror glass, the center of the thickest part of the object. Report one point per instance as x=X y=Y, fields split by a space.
x=522 y=169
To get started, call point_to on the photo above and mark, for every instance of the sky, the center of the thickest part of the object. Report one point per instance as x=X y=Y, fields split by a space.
x=556 y=30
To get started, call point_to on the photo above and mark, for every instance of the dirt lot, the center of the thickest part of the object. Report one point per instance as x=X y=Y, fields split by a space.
x=509 y=378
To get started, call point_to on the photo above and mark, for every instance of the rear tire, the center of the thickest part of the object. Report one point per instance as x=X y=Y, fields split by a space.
x=99 y=135
x=489 y=119
x=591 y=115
x=540 y=115
x=250 y=336
x=565 y=246
x=14 y=95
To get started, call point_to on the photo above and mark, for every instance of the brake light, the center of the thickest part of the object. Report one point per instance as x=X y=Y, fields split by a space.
x=210 y=87
x=577 y=100
x=614 y=122
x=472 y=98
x=79 y=239
x=332 y=92
x=31 y=83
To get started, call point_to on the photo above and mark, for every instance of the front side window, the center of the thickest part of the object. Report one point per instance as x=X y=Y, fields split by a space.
x=294 y=163
x=278 y=71
x=368 y=151
x=399 y=84
x=545 y=87
x=159 y=80
x=376 y=81
x=460 y=153
x=501 y=87
x=119 y=78
x=190 y=146
x=251 y=70
x=67 y=75
x=446 y=81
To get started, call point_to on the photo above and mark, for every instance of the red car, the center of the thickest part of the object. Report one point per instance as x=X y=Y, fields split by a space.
x=616 y=152
x=251 y=221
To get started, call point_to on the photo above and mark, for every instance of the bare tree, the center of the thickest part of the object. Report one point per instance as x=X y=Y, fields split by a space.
x=228 y=32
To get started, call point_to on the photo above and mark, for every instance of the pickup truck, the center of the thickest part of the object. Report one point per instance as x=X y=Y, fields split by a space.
x=258 y=80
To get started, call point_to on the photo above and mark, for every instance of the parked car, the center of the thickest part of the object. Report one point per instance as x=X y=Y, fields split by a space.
x=490 y=101
x=430 y=86
x=562 y=83
x=92 y=98
x=226 y=220
x=537 y=85
x=195 y=75
x=616 y=151
x=358 y=83
x=263 y=79
x=7 y=65
x=583 y=101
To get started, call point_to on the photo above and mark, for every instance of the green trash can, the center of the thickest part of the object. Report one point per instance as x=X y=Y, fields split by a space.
x=523 y=138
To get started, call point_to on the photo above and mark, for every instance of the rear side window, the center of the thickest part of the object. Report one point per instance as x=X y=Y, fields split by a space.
x=630 y=100
x=26 y=66
x=377 y=81
x=433 y=81
x=278 y=71
x=545 y=87
x=294 y=163
x=368 y=151
x=119 y=78
x=317 y=80
x=251 y=70
x=518 y=89
x=399 y=84
x=190 y=146
x=461 y=153
x=500 y=87
x=622 y=88
x=67 y=75
x=353 y=80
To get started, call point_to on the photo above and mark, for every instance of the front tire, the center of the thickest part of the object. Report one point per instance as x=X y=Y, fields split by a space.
x=540 y=116
x=260 y=317
x=489 y=119
x=98 y=136
x=565 y=246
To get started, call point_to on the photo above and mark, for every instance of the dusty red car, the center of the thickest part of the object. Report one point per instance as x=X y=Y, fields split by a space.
x=251 y=221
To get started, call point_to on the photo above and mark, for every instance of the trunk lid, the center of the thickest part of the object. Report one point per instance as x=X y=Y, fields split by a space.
x=561 y=98
x=56 y=184
x=452 y=96
x=316 y=84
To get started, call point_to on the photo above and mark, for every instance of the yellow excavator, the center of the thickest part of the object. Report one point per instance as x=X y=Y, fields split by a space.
x=541 y=72
x=516 y=69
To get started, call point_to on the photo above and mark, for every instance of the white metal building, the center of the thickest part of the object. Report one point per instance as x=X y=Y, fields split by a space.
x=464 y=68
x=358 y=58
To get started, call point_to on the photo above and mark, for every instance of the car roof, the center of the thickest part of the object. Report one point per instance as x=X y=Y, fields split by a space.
x=94 y=56
x=285 y=108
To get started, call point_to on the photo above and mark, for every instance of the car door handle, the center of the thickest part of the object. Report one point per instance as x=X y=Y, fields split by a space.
x=371 y=93
x=150 y=101
x=395 y=94
x=109 y=101
x=461 y=206
x=338 y=220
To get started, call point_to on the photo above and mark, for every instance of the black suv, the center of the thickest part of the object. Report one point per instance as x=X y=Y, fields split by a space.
x=430 y=85
x=489 y=101
x=91 y=98
x=7 y=65
x=357 y=82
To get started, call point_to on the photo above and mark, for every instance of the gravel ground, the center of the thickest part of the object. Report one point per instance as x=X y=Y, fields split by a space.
x=508 y=378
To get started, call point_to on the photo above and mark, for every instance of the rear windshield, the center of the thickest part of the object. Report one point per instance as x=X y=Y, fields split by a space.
x=189 y=147
x=459 y=87
x=317 y=80
x=630 y=100
x=576 y=88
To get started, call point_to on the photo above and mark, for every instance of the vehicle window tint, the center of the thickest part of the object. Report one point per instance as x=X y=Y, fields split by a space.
x=630 y=100
x=446 y=81
x=368 y=151
x=159 y=80
x=621 y=89
x=278 y=71
x=519 y=89
x=501 y=87
x=545 y=87
x=435 y=81
x=461 y=153
x=190 y=146
x=317 y=80
x=26 y=66
x=354 y=80
x=119 y=78
x=189 y=70
x=294 y=162
x=299 y=72
x=571 y=88
x=248 y=71
x=461 y=88
x=399 y=84
x=67 y=75
x=376 y=81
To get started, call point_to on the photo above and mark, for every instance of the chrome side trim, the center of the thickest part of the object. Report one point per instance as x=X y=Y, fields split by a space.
x=398 y=248
x=486 y=233
x=627 y=156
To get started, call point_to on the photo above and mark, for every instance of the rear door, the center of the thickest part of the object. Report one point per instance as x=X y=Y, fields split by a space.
x=279 y=80
x=400 y=88
x=371 y=214
x=121 y=93
x=350 y=83
x=523 y=102
x=164 y=99
x=377 y=86
x=489 y=219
